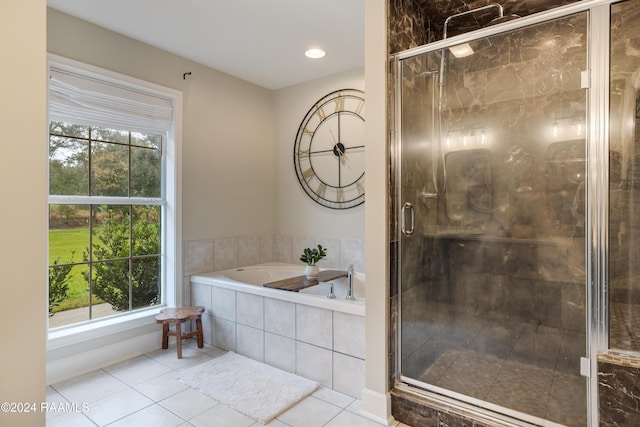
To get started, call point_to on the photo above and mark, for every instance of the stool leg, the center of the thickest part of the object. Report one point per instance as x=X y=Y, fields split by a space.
x=179 y=340
x=199 y=335
x=165 y=336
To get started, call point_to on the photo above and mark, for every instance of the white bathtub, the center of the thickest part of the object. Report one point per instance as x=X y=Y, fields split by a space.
x=251 y=278
x=301 y=332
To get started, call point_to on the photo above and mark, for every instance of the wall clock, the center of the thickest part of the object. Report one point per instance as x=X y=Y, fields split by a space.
x=328 y=154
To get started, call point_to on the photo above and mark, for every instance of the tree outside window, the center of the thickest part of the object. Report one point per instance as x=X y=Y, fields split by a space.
x=105 y=214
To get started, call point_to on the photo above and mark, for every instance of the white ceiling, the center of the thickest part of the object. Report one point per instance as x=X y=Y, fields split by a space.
x=261 y=41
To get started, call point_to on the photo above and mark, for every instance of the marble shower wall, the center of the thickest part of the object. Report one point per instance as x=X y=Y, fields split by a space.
x=525 y=233
x=437 y=12
x=510 y=91
x=408 y=26
x=618 y=403
x=523 y=260
x=624 y=223
x=619 y=390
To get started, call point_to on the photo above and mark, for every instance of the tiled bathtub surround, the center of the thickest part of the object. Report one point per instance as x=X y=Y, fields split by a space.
x=321 y=344
x=202 y=256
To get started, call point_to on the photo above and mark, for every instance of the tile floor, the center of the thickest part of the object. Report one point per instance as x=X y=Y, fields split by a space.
x=624 y=326
x=523 y=366
x=142 y=392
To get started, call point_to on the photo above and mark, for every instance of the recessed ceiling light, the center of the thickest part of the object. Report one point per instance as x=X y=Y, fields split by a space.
x=314 y=53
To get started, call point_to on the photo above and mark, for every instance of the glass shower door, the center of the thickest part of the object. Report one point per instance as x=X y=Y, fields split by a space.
x=491 y=202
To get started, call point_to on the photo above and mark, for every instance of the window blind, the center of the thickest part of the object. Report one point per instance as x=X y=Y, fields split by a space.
x=90 y=100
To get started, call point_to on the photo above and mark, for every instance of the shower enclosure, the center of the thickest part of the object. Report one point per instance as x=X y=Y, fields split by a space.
x=502 y=203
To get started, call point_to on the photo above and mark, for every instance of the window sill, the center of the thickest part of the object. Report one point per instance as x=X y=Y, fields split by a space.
x=73 y=334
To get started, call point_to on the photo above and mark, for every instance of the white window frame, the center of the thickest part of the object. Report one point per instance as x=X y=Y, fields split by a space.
x=171 y=229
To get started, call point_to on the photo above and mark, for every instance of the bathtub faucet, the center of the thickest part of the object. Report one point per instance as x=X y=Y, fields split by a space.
x=331 y=294
x=350 y=283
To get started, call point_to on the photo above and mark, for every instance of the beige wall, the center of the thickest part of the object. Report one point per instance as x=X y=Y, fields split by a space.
x=375 y=399
x=296 y=213
x=23 y=166
x=237 y=145
x=238 y=138
x=227 y=140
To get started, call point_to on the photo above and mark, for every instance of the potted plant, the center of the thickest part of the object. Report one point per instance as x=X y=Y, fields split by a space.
x=311 y=257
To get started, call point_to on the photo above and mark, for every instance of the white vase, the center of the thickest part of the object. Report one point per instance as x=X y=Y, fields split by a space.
x=311 y=271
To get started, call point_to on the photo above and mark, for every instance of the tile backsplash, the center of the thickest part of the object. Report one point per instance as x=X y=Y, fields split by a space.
x=202 y=256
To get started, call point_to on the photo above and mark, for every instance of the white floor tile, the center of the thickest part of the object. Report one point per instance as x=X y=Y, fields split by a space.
x=169 y=357
x=161 y=387
x=54 y=398
x=273 y=423
x=117 y=406
x=310 y=412
x=221 y=416
x=349 y=419
x=208 y=349
x=333 y=397
x=142 y=391
x=188 y=403
x=355 y=407
x=151 y=416
x=90 y=387
x=70 y=419
x=77 y=380
x=137 y=370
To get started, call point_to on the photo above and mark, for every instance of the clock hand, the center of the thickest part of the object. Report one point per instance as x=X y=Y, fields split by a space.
x=339 y=149
x=333 y=137
x=342 y=153
x=343 y=157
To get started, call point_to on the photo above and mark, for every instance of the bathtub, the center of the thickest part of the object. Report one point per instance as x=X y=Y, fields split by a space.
x=250 y=279
x=302 y=332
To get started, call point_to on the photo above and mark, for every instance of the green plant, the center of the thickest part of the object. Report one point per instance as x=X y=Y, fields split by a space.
x=63 y=243
x=312 y=256
x=127 y=284
x=59 y=276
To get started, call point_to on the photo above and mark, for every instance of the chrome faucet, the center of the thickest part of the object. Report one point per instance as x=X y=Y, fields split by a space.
x=331 y=294
x=350 y=282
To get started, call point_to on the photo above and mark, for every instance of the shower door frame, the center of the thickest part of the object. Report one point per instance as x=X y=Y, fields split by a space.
x=596 y=80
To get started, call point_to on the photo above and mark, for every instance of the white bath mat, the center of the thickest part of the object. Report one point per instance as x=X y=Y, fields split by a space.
x=257 y=390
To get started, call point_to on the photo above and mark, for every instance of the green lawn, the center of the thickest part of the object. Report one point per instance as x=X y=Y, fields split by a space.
x=62 y=244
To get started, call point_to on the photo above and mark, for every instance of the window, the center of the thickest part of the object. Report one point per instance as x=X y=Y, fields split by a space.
x=112 y=187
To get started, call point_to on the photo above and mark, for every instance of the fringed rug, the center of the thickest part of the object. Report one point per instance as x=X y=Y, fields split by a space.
x=252 y=388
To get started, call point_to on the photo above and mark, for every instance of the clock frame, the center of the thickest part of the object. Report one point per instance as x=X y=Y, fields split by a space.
x=328 y=154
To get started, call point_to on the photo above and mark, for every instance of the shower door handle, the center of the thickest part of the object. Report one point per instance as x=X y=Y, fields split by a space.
x=412 y=218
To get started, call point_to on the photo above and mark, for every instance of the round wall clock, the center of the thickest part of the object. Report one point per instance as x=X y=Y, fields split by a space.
x=328 y=154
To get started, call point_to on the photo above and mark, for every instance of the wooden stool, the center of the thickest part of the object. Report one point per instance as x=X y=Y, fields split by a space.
x=178 y=316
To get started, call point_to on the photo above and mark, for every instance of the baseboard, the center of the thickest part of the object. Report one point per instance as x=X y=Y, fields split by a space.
x=99 y=357
x=377 y=407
